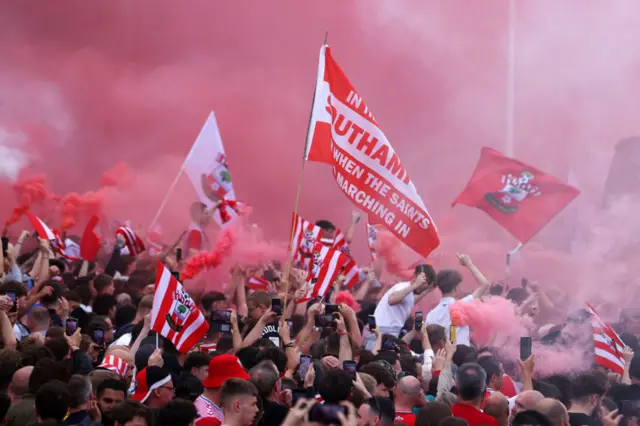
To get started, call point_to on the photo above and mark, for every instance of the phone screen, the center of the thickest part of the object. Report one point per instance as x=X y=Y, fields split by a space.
x=388 y=345
x=292 y=334
x=525 y=348
x=326 y=414
x=350 y=367
x=220 y=316
x=14 y=298
x=371 y=321
x=305 y=362
x=330 y=309
x=419 y=320
x=324 y=320
x=98 y=336
x=452 y=334
x=276 y=306
x=71 y=326
x=178 y=255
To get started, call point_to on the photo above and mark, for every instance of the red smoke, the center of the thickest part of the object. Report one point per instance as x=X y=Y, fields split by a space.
x=87 y=86
x=209 y=260
x=29 y=191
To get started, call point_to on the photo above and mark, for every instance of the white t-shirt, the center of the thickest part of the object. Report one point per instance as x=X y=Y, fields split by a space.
x=440 y=315
x=394 y=316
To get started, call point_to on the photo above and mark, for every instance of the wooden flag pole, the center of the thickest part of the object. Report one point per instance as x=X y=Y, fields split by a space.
x=287 y=269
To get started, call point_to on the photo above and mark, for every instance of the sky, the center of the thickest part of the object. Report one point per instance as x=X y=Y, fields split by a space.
x=87 y=86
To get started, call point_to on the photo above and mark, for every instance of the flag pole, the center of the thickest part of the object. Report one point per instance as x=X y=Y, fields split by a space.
x=287 y=269
x=172 y=187
x=508 y=259
x=511 y=81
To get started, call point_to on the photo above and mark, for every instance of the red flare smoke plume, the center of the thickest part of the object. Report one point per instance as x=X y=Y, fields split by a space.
x=212 y=259
x=29 y=191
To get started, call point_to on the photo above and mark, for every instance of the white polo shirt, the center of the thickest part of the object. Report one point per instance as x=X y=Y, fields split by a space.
x=440 y=315
x=394 y=316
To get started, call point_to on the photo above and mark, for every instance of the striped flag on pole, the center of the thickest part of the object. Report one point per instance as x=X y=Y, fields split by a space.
x=133 y=243
x=45 y=233
x=258 y=283
x=327 y=265
x=305 y=237
x=175 y=315
x=608 y=345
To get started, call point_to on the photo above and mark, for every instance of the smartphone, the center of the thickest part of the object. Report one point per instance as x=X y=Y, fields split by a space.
x=176 y=275
x=71 y=325
x=220 y=316
x=276 y=306
x=305 y=362
x=297 y=394
x=291 y=333
x=326 y=414
x=388 y=345
x=324 y=320
x=98 y=336
x=452 y=334
x=5 y=245
x=419 y=358
x=371 y=322
x=330 y=309
x=419 y=318
x=525 y=348
x=14 y=298
x=350 y=367
x=178 y=255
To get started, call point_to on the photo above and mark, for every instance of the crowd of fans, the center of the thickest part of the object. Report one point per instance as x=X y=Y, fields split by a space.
x=77 y=349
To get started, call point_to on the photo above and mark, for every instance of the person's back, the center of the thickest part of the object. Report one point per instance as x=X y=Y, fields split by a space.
x=448 y=282
x=587 y=389
x=471 y=382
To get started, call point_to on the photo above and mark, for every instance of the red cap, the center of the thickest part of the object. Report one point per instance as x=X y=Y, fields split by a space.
x=222 y=368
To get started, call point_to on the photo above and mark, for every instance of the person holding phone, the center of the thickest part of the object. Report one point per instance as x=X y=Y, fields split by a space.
x=396 y=305
x=448 y=282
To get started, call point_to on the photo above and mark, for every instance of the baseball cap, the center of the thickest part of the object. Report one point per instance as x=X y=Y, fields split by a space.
x=222 y=368
x=148 y=380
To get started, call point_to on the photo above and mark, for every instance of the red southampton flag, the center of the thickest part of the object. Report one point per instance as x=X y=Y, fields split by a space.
x=327 y=265
x=175 y=315
x=608 y=345
x=521 y=198
x=344 y=134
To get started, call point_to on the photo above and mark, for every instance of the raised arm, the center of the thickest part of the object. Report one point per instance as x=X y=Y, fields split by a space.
x=483 y=283
x=355 y=218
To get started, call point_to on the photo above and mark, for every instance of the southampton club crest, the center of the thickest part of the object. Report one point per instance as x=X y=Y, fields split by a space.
x=514 y=192
x=217 y=183
x=179 y=312
x=306 y=244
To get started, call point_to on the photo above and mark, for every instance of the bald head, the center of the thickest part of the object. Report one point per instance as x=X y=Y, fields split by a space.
x=526 y=400
x=554 y=410
x=20 y=383
x=409 y=386
x=497 y=406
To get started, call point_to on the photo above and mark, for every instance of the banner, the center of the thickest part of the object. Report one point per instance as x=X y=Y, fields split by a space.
x=207 y=169
x=522 y=199
x=344 y=134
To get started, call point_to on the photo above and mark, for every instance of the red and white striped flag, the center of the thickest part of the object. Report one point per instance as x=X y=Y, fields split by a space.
x=45 y=233
x=306 y=235
x=258 y=283
x=115 y=364
x=175 y=315
x=608 y=345
x=327 y=264
x=133 y=243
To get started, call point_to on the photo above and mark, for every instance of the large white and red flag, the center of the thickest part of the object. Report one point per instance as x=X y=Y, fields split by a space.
x=327 y=264
x=344 y=134
x=207 y=169
x=305 y=237
x=46 y=233
x=175 y=315
x=608 y=345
